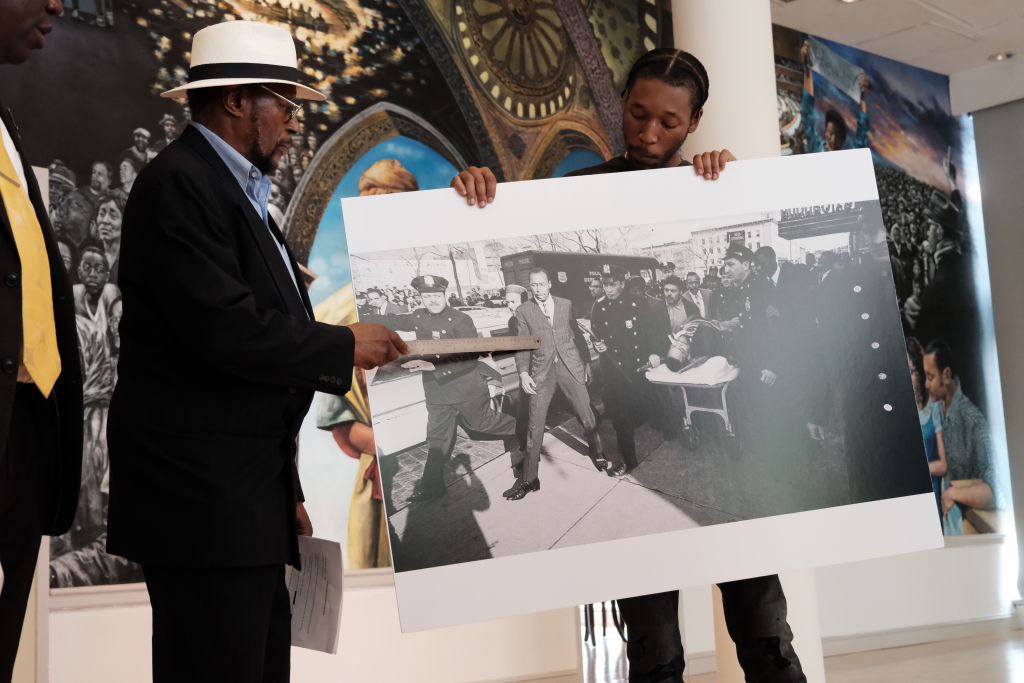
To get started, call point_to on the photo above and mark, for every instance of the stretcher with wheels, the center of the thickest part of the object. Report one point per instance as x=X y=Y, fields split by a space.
x=695 y=384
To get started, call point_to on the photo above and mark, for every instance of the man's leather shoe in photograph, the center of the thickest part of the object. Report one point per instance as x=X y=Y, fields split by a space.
x=617 y=471
x=521 y=488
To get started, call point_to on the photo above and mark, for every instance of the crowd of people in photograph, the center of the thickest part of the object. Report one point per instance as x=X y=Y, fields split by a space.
x=377 y=301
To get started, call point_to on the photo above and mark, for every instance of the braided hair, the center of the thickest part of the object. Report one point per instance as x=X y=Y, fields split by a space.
x=673 y=67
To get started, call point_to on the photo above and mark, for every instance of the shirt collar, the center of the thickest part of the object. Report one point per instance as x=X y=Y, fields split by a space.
x=240 y=167
x=958 y=396
x=255 y=184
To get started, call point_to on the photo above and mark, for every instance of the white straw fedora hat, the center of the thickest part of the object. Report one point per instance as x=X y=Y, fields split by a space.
x=239 y=52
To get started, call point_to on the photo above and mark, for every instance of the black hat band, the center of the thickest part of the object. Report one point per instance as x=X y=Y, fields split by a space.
x=275 y=72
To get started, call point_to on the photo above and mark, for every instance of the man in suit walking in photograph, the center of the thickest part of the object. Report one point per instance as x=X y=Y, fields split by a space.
x=40 y=377
x=562 y=361
x=220 y=357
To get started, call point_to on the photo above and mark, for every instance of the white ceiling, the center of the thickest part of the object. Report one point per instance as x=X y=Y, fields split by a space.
x=948 y=36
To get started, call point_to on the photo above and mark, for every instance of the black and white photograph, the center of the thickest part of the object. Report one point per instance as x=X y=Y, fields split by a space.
x=691 y=373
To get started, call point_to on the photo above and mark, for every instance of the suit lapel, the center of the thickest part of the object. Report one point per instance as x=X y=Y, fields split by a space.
x=32 y=187
x=4 y=220
x=293 y=264
x=294 y=300
x=34 y=195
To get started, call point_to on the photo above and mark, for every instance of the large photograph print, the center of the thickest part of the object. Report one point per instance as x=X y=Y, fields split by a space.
x=699 y=387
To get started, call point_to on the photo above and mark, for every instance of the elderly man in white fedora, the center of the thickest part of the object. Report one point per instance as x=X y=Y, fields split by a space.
x=220 y=357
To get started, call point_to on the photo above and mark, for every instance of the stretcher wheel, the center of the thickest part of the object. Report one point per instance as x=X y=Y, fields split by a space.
x=692 y=439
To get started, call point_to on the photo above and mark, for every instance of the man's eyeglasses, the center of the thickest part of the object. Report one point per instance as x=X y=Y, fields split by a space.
x=294 y=107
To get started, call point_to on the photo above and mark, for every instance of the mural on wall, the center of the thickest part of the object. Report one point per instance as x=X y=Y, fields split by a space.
x=528 y=88
x=833 y=96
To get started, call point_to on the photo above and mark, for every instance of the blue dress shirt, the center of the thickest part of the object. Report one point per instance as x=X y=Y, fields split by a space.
x=255 y=184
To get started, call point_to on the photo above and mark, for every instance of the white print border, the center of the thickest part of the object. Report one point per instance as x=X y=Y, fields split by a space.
x=402 y=221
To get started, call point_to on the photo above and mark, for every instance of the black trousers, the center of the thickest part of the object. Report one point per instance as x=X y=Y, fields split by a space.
x=755 y=615
x=20 y=520
x=620 y=405
x=216 y=625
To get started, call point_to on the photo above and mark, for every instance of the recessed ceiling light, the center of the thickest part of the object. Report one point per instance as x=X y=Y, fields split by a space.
x=1000 y=56
x=848 y=1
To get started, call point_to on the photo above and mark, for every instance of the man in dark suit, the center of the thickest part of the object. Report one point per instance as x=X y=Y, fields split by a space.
x=378 y=301
x=697 y=297
x=562 y=361
x=219 y=360
x=40 y=377
x=789 y=290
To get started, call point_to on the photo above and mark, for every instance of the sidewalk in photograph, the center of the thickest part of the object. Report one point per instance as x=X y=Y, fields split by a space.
x=671 y=488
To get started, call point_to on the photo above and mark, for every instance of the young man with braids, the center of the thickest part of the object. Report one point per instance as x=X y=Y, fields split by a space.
x=663 y=103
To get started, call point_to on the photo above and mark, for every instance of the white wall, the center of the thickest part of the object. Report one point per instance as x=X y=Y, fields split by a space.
x=112 y=645
x=960 y=583
x=987 y=86
x=999 y=137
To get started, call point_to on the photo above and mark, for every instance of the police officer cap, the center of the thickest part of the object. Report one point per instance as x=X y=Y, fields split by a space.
x=515 y=289
x=613 y=272
x=739 y=252
x=429 y=283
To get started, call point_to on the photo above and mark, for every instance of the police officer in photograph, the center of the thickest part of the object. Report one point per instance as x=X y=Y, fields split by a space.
x=759 y=350
x=867 y=386
x=621 y=329
x=455 y=390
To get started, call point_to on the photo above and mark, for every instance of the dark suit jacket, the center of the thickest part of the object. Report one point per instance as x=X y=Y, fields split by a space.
x=219 y=361
x=563 y=341
x=391 y=308
x=59 y=432
x=691 y=305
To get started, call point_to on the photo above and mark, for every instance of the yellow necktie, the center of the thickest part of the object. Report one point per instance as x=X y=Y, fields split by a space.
x=39 y=350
